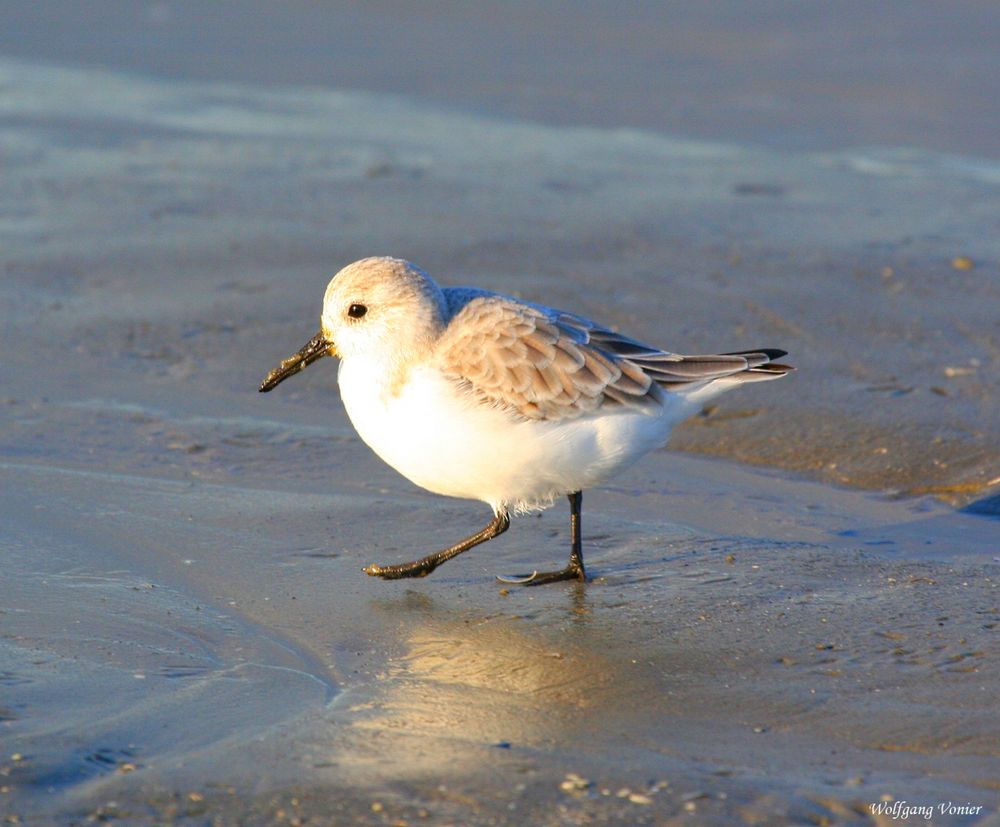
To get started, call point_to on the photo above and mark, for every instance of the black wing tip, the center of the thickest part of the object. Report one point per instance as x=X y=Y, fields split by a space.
x=770 y=352
x=777 y=368
x=762 y=364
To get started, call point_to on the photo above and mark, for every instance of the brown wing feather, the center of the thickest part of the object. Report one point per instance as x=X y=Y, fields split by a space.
x=547 y=365
x=520 y=358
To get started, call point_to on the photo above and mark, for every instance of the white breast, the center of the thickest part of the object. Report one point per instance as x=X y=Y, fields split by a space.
x=447 y=441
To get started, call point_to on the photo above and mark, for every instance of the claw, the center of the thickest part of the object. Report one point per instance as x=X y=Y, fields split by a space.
x=517 y=579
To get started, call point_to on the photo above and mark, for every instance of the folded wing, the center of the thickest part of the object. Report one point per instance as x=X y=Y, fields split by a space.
x=547 y=365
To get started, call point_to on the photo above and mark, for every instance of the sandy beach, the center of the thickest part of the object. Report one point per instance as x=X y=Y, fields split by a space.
x=794 y=609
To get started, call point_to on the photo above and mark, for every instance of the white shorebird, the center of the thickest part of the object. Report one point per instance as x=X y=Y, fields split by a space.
x=473 y=394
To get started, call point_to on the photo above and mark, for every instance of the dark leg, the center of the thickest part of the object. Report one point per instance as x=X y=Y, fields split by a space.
x=574 y=569
x=421 y=568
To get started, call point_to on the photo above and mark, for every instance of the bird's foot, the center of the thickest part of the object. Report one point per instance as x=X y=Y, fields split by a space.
x=418 y=569
x=516 y=579
x=540 y=578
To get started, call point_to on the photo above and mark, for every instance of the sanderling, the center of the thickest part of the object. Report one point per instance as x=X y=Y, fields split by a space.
x=474 y=394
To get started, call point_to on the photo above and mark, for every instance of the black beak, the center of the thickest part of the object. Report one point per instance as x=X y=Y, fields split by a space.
x=316 y=348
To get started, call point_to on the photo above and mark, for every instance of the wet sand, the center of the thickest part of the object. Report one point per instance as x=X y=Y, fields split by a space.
x=187 y=635
x=753 y=649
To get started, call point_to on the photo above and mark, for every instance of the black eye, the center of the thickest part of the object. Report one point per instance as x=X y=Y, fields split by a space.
x=356 y=311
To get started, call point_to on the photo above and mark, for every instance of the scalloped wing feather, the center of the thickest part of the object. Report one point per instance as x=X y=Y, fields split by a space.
x=549 y=365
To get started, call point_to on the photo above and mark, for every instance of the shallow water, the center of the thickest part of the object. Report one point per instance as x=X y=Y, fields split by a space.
x=782 y=74
x=187 y=633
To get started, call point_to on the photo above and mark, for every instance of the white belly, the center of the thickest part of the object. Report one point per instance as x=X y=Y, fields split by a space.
x=449 y=443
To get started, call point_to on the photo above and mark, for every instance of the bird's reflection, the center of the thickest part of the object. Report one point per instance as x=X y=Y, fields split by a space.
x=542 y=677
